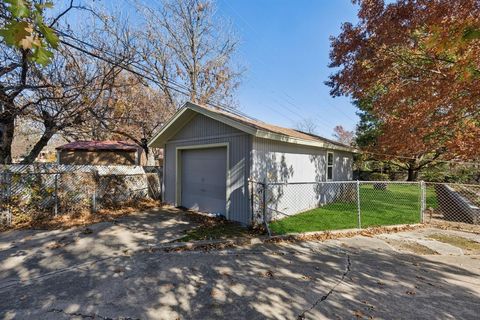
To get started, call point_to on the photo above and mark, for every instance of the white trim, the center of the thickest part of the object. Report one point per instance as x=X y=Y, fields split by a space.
x=288 y=139
x=167 y=125
x=178 y=171
x=333 y=166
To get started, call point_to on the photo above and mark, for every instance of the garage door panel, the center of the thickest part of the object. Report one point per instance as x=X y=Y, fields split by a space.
x=204 y=179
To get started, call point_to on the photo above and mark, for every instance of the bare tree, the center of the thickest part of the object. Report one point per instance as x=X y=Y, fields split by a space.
x=73 y=82
x=307 y=125
x=188 y=47
x=134 y=110
x=17 y=83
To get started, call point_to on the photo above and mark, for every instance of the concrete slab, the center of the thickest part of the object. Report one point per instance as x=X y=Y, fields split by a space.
x=359 y=277
x=29 y=253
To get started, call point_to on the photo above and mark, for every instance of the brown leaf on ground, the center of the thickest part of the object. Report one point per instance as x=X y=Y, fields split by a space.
x=46 y=220
x=269 y=274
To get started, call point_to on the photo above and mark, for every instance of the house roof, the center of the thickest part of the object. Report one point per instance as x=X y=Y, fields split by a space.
x=252 y=126
x=99 y=145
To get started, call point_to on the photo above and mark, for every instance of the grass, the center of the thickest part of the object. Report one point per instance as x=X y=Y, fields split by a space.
x=399 y=204
x=471 y=246
x=415 y=248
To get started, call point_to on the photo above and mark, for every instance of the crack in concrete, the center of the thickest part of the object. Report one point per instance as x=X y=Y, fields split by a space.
x=301 y=316
x=88 y=316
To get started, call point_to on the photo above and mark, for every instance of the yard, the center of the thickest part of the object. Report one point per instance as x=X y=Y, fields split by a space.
x=399 y=204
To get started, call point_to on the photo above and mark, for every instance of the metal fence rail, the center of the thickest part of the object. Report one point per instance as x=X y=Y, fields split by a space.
x=317 y=206
x=41 y=191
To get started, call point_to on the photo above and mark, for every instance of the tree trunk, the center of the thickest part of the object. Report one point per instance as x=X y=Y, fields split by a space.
x=37 y=148
x=412 y=173
x=7 y=129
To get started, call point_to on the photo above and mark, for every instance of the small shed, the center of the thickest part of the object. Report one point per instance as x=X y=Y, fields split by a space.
x=210 y=155
x=100 y=153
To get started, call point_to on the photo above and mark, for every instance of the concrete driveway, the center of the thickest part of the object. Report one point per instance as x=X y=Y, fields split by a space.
x=27 y=254
x=403 y=276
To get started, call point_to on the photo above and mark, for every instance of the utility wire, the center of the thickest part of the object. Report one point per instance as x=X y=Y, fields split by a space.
x=146 y=74
x=292 y=100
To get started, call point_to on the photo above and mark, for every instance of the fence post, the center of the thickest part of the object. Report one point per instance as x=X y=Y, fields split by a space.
x=94 y=200
x=55 y=208
x=423 y=199
x=6 y=196
x=358 y=206
x=264 y=208
x=252 y=208
x=9 y=198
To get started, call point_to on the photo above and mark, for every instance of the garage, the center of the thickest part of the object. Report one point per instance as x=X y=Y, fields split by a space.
x=213 y=158
x=204 y=179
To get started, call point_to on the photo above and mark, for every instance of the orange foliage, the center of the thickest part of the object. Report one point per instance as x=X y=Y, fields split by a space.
x=418 y=61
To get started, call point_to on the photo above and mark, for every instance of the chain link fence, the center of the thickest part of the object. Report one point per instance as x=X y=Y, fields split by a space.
x=452 y=202
x=317 y=206
x=53 y=190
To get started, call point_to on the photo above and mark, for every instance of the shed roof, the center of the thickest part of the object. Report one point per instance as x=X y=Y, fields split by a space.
x=93 y=145
x=243 y=123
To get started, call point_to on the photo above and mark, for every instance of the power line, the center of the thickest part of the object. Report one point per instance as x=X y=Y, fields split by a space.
x=146 y=72
x=292 y=100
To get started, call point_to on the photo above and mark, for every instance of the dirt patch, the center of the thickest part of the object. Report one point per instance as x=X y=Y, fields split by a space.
x=469 y=246
x=451 y=225
x=412 y=246
x=213 y=228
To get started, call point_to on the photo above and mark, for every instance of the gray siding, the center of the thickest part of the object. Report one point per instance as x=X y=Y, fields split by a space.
x=202 y=130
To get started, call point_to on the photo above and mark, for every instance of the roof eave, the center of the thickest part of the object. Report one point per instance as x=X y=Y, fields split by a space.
x=161 y=137
x=169 y=130
x=288 y=139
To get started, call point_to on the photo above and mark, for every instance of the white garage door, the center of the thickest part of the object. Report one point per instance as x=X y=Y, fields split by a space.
x=204 y=181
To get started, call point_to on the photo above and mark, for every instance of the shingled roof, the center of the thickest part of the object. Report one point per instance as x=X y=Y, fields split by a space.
x=93 y=145
x=273 y=128
x=253 y=126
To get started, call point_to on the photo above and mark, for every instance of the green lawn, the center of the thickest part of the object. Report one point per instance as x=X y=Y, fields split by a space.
x=399 y=204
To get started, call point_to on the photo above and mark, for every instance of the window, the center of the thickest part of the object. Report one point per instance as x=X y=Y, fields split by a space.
x=329 y=166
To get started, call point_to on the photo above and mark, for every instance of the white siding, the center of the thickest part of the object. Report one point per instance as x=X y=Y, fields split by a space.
x=285 y=162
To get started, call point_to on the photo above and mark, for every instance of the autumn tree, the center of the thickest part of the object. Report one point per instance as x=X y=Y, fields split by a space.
x=133 y=111
x=343 y=136
x=30 y=42
x=413 y=68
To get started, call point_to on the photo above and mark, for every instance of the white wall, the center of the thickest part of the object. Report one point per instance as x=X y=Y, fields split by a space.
x=285 y=162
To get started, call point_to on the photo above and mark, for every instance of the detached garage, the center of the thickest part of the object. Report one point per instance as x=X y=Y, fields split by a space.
x=210 y=155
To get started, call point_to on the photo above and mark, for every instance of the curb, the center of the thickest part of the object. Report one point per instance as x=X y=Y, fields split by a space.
x=290 y=237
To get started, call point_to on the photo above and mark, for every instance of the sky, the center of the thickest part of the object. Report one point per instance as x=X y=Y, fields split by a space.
x=285 y=46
